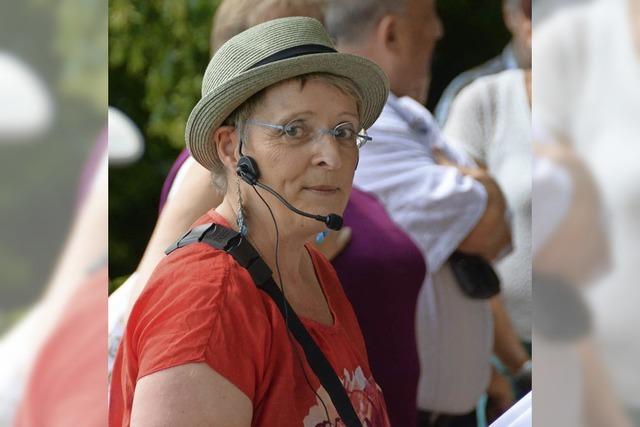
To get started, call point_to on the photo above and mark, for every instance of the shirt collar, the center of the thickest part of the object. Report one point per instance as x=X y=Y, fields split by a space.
x=509 y=57
x=414 y=114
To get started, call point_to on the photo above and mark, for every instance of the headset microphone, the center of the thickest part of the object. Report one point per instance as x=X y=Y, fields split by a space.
x=247 y=170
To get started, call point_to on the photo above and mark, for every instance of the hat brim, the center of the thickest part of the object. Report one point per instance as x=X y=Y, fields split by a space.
x=210 y=112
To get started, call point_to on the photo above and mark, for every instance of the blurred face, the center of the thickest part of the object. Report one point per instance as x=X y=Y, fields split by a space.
x=419 y=29
x=311 y=168
x=519 y=24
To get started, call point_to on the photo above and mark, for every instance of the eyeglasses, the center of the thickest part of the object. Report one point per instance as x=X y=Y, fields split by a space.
x=300 y=131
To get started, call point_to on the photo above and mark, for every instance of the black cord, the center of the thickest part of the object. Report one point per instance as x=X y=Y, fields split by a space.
x=286 y=312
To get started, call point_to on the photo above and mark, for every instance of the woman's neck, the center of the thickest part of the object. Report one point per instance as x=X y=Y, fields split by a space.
x=293 y=259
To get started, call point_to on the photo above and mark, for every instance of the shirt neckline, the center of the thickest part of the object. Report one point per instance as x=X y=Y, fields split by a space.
x=336 y=324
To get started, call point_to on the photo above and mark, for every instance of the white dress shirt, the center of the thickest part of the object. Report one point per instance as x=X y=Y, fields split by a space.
x=437 y=206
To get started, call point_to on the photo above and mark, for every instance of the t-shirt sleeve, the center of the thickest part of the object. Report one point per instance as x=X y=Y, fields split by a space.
x=194 y=311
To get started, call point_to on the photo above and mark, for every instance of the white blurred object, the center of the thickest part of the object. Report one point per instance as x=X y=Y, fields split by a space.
x=543 y=9
x=519 y=415
x=26 y=107
x=587 y=88
x=551 y=195
x=118 y=304
x=126 y=143
x=18 y=349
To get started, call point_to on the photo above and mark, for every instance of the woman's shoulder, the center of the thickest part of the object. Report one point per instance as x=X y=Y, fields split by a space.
x=194 y=277
x=196 y=295
x=196 y=281
x=196 y=270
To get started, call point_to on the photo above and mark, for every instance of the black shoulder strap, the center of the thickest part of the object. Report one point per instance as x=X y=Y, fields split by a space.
x=234 y=244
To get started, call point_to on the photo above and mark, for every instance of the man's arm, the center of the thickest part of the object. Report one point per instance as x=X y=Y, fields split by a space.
x=506 y=344
x=492 y=233
x=189 y=395
x=576 y=260
x=601 y=405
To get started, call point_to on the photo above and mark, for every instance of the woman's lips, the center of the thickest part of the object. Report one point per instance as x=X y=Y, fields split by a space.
x=323 y=189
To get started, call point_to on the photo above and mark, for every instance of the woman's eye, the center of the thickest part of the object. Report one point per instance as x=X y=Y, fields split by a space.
x=293 y=130
x=344 y=132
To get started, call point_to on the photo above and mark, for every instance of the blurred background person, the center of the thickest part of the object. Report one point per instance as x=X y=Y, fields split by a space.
x=438 y=196
x=490 y=120
x=53 y=217
x=66 y=377
x=585 y=90
x=517 y=54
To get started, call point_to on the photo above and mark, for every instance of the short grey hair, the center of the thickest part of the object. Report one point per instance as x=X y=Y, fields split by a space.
x=350 y=20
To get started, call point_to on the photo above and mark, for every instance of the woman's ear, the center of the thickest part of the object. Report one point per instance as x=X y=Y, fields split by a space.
x=226 y=141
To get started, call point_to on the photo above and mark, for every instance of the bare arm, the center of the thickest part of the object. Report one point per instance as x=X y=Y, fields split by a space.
x=492 y=232
x=601 y=405
x=579 y=250
x=506 y=344
x=189 y=395
x=194 y=198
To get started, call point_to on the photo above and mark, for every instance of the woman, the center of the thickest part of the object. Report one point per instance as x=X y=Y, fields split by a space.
x=382 y=286
x=203 y=345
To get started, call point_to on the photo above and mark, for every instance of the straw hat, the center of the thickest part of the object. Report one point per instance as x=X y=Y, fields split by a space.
x=264 y=55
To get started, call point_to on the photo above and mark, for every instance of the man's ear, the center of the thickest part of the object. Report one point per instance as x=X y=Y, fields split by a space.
x=387 y=32
x=509 y=17
x=226 y=140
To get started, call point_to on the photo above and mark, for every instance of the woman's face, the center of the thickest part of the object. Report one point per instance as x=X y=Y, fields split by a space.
x=312 y=170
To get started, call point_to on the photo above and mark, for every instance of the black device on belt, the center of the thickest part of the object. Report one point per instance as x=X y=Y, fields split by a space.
x=475 y=275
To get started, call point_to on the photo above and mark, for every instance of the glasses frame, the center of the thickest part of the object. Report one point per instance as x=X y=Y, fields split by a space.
x=361 y=138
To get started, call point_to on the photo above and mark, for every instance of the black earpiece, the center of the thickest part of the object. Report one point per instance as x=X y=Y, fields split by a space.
x=247 y=170
x=333 y=221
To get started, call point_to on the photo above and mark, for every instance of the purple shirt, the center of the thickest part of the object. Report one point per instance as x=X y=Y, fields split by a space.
x=381 y=271
x=171 y=176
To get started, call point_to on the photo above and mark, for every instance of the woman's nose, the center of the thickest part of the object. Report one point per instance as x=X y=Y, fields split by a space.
x=327 y=152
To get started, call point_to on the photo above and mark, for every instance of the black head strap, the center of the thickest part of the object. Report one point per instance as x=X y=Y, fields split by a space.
x=292 y=52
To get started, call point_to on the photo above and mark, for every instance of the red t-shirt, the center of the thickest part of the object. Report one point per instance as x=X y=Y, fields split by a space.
x=201 y=306
x=68 y=379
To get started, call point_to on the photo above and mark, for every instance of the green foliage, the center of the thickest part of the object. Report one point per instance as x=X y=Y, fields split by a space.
x=82 y=43
x=10 y=318
x=158 y=51
x=66 y=47
x=162 y=46
x=116 y=283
